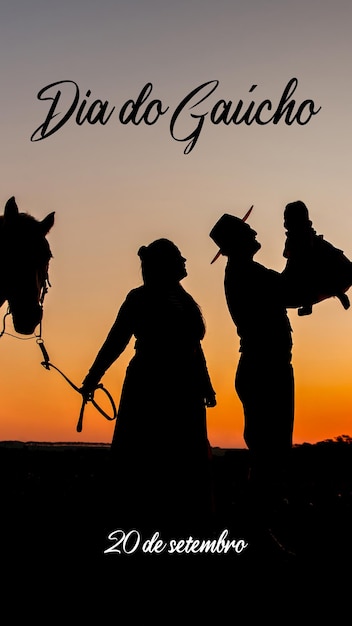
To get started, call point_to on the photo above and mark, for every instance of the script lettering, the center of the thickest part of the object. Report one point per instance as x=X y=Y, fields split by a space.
x=90 y=115
x=189 y=118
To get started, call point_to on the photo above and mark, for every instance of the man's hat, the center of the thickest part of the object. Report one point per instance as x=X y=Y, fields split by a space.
x=226 y=228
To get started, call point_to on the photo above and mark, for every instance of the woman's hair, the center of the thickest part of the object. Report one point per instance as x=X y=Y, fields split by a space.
x=160 y=261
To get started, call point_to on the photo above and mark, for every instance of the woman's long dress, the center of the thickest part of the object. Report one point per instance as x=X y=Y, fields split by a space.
x=160 y=449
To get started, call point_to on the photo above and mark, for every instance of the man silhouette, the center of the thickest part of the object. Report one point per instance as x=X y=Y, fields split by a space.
x=257 y=299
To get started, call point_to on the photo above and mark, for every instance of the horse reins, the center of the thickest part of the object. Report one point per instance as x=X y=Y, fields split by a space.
x=47 y=364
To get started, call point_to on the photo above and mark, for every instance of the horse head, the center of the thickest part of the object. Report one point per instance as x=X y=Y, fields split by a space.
x=24 y=261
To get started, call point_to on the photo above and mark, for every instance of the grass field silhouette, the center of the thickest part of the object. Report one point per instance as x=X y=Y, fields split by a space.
x=56 y=502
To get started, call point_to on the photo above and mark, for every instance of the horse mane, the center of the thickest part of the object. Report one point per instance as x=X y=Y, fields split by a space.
x=22 y=219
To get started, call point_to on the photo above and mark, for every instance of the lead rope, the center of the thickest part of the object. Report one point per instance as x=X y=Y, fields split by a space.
x=47 y=364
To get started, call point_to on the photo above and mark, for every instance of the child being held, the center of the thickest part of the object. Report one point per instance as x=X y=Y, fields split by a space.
x=316 y=268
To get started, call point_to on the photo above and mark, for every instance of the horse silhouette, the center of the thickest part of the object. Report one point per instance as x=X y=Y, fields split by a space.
x=24 y=262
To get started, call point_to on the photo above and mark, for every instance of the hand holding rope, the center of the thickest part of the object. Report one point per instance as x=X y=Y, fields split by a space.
x=85 y=397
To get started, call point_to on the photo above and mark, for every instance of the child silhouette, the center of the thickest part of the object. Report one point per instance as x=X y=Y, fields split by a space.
x=319 y=269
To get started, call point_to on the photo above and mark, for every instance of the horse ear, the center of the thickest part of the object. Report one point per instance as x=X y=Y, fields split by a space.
x=11 y=209
x=47 y=223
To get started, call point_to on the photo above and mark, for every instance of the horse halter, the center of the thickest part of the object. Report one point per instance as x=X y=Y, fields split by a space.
x=44 y=288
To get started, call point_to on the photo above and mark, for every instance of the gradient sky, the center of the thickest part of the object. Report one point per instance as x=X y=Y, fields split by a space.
x=115 y=187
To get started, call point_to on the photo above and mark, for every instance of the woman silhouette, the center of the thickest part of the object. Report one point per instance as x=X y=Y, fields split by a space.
x=160 y=448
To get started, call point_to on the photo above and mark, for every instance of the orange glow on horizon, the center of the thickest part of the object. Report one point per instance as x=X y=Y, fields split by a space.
x=43 y=407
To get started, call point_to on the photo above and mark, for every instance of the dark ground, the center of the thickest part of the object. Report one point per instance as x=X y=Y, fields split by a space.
x=55 y=511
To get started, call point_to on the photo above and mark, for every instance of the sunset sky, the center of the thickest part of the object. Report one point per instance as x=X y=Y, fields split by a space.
x=115 y=186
